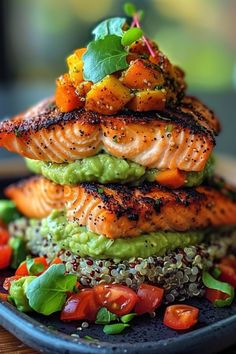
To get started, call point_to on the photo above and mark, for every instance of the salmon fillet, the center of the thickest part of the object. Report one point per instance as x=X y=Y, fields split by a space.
x=182 y=137
x=119 y=211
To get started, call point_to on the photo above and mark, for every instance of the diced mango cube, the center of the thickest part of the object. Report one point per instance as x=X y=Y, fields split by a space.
x=107 y=96
x=142 y=74
x=148 y=101
x=75 y=64
x=65 y=96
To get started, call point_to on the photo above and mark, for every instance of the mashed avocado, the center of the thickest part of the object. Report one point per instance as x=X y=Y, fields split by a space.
x=79 y=240
x=104 y=168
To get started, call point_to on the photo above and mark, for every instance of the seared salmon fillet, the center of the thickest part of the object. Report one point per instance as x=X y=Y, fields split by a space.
x=119 y=211
x=182 y=137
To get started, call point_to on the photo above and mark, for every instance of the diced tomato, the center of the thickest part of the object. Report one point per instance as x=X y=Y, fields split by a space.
x=212 y=295
x=4 y=235
x=5 y=256
x=9 y=280
x=22 y=269
x=181 y=317
x=228 y=274
x=118 y=299
x=56 y=260
x=81 y=306
x=149 y=298
x=3 y=296
x=229 y=261
x=66 y=98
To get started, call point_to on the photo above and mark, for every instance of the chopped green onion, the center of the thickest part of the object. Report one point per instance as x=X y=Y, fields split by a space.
x=130 y=36
x=127 y=318
x=215 y=284
x=115 y=328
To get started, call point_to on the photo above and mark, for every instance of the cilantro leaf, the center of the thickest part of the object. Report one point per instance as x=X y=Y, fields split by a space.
x=110 y=26
x=104 y=316
x=47 y=293
x=103 y=57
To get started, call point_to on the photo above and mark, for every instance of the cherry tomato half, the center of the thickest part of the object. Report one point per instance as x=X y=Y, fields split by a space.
x=228 y=274
x=4 y=235
x=23 y=270
x=81 y=306
x=56 y=260
x=3 y=296
x=180 y=317
x=5 y=256
x=149 y=298
x=8 y=281
x=118 y=299
x=229 y=261
x=212 y=295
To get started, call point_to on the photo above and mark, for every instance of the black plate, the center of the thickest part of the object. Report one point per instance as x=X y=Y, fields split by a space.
x=214 y=332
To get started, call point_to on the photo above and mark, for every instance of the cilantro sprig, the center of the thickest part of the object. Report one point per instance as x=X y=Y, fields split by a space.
x=107 y=53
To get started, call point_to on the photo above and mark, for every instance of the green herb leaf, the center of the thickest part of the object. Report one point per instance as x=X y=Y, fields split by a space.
x=169 y=128
x=127 y=318
x=103 y=57
x=47 y=293
x=19 y=251
x=226 y=288
x=104 y=316
x=130 y=36
x=216 y=272
x=34 y=268
x=110 y=26
x=115 y=328
x=8 y=211
x=129 y=9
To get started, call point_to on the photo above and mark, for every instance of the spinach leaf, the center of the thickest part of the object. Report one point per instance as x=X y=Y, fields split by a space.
x=47 y=293
x=34 y=268
x=110 y=26
x=103 y=57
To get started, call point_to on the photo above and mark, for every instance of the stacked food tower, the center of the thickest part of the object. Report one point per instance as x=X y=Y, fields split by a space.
x=124 y=190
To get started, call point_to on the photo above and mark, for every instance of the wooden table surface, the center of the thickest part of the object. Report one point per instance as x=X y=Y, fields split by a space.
x=11 y=345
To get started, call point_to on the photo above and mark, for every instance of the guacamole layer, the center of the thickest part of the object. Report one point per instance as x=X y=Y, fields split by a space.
x=104 y=168
x=80 y=241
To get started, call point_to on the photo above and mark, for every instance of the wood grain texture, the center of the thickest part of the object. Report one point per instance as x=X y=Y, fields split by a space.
x=11 y=345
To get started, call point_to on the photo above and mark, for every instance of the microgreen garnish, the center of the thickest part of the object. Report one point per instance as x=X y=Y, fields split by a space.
x=110 y=26
x=131 y=10
x=103 y=57
x=215 y=284
x=104 y=316
x=115 y=328
x=130 y=36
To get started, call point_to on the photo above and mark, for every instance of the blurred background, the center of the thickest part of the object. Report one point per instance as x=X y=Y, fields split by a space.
x=199 y=35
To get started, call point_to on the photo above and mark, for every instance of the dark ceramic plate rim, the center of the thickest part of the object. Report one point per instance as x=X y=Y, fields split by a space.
x=39 y=337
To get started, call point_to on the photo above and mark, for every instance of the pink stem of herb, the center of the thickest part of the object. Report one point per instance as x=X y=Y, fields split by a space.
x=137 y=24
